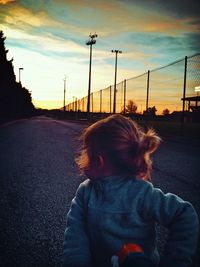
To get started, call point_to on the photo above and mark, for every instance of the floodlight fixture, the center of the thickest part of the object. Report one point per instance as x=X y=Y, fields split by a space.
x=93 y=35
x=92 y=41
x=116 y=51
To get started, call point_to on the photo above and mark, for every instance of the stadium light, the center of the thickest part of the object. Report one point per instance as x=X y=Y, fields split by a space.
x=115 y=91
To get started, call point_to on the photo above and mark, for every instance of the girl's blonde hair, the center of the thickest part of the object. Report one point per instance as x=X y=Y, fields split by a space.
x=123 y=145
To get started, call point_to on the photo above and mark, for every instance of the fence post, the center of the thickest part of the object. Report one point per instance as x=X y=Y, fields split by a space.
x=124 y=96
x=79 y=104
x=110 y=99
x=184 y=89
x=92 y=102
x=100 y=101
x=147 y=98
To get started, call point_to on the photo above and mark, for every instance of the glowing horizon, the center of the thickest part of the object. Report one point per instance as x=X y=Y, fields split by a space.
x=48 y=41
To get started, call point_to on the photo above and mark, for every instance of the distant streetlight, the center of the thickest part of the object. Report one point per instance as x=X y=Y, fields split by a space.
x=20 y=74
x=74 y=103
x=64 y=107
x=114 y=101
x=90 y=42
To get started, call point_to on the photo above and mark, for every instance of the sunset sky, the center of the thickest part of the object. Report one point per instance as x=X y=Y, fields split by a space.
x=47 y=38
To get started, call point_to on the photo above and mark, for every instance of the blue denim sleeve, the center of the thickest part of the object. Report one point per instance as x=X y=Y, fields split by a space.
x=76 y=242
x=182 y=222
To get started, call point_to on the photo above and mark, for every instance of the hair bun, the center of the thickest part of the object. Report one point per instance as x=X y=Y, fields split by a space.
x=150 y=141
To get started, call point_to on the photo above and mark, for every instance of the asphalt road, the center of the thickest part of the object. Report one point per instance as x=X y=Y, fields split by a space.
x=38 y=179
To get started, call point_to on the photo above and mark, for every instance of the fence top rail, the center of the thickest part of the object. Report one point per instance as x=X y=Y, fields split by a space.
x=135 y=77
x=197 y=54
x=168 y=65
x=175 y=62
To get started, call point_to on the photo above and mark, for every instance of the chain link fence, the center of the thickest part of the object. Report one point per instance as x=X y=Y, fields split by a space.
x=166 y=90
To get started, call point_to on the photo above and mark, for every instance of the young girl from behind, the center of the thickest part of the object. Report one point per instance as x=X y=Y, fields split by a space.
x=118 y=204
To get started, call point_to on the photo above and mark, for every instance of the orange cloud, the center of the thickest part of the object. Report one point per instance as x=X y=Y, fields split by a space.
x=18 y=16
x=4 y=2
x=107 y=18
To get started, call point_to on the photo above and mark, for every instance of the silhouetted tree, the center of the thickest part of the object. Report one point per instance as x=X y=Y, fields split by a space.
x=131 y=107
x=151 y=111
x=166 y=112
x=15 y=100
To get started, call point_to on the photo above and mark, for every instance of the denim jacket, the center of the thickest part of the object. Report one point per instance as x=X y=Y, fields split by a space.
x=109 y=212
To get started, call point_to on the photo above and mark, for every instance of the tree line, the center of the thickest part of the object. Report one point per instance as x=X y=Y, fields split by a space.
x=131 y=108
x=15 y=100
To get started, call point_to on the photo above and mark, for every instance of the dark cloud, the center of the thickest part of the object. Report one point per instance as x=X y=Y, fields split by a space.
x=193 y=41
x=170 y=47
x=160 y=40
x=177 y=8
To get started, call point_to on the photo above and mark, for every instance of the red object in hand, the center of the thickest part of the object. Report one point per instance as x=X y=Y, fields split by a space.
x=126 y=249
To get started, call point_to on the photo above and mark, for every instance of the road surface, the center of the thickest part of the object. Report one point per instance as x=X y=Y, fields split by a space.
x=38 y=179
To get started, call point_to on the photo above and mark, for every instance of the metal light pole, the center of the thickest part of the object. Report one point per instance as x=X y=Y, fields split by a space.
x=90 y=42
x=114 y=100
x=64 y=108
x=20 y=74
x=76 y=104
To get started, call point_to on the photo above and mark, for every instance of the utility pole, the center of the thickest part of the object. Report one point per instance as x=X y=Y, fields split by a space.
x=64 y=108
x=20 y=74
x=76 y=99
x=115 y=81
x=90 y=42
x=184 y=89
x=124 y=96
x=147 y=97
x=110 y=99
